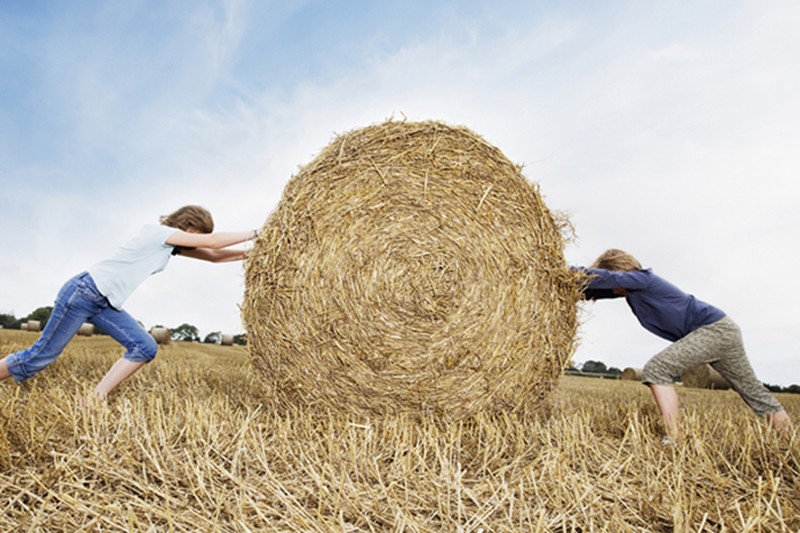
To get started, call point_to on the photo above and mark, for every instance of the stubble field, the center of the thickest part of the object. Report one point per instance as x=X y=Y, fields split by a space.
x=191 y=443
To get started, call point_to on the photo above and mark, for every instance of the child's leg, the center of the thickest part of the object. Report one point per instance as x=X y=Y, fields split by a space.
x=700 y=346
x=141 y=347
x=667 y=402
x=72 y=308
x=734 y=366
x=4 y=373
x=121 y=370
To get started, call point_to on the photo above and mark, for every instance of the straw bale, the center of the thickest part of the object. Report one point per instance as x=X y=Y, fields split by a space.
x=34 y=325
x=24 y=326
x=411 y=267
x=226 y=339
x=704 y=377
x=632 y=374
x=86 y=329
x=161 y=335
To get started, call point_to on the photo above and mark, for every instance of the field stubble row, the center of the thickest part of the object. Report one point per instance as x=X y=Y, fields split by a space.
x=192 y=442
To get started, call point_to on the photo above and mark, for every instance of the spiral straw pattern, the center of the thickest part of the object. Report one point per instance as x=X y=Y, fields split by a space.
x=411 y=267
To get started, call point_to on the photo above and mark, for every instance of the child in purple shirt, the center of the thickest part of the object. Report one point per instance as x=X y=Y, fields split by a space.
x=700 y=334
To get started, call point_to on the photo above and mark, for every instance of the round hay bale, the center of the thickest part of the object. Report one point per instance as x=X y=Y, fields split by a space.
x=704 y=377
x=411 y=267
x=226 y=339
x=632 y=374
x=161 y=335
x=34 y=325
x=24 y=326
x=86 y=329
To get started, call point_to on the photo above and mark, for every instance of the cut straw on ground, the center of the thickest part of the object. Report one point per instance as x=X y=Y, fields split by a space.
x=190 y=443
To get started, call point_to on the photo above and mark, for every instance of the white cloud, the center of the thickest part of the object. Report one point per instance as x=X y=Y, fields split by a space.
x=675 y=52
x=677 y=143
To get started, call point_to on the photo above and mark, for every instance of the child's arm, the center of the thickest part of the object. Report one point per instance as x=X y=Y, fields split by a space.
x=214 y=256
x=615 y=279
x=213 y=241
x=599 y=294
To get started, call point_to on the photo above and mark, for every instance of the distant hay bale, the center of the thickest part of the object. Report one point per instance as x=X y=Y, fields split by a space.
x=632 y=374
x=226 y=339
x=34 y=325
x=161 y=335
x=704 y=377
x=24 y=326
x=410 y=267
x=86 y=329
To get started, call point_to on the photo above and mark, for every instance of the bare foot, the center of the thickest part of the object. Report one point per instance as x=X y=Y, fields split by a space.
x=781 y=422
x=90 y=401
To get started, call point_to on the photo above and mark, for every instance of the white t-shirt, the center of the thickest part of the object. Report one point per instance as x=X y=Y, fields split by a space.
x=132 y=263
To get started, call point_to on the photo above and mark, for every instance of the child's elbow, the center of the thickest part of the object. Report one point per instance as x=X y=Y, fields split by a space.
x=215 y=244
x=217 y=256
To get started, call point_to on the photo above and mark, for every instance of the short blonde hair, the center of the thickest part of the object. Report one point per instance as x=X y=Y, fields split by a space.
x=189 y=217
x=614 y=259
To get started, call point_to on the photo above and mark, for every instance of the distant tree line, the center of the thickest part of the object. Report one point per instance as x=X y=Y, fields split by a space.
x=595 y=369
x=189 y=333
x=599 y=369
x=794 y=389
x=184 y=332
x=41 y=314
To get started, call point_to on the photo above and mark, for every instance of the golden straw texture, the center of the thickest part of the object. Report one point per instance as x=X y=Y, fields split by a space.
x=411 y=267
x=704 y=377
x=632 y=374
x=161 y=335
x=86 y=329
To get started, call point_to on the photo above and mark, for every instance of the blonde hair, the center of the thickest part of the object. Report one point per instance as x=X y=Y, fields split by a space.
x=189 y=217
x=614 y=259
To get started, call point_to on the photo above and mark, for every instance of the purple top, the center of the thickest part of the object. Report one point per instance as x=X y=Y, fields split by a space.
x=661 y=307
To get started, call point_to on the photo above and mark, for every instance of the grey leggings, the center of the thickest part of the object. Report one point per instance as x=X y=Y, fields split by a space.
x=719 y=344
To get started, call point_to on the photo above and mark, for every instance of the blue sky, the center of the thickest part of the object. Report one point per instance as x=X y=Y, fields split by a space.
x=667 y=129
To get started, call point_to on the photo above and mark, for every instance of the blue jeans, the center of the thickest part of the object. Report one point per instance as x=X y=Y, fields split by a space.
x=77 y=302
